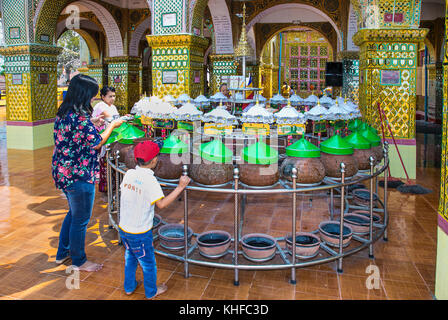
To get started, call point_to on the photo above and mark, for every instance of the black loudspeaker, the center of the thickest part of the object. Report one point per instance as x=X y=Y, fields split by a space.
x=333 y=74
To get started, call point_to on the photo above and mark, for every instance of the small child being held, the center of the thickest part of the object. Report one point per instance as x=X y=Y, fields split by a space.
x=140 y=192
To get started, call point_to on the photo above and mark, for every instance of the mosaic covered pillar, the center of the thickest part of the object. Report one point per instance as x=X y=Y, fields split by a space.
x=222 y=66
x=253 y=70
x=268 y=80
x=350 y=86
x=441 y=277
x=84 y=70
x=31 y=95
x=147 y=81
x=388 y=76
x=177 y=64
x=96 y=71
x=123 y=75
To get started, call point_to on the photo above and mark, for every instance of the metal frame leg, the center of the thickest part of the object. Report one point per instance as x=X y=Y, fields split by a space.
x=341 y=230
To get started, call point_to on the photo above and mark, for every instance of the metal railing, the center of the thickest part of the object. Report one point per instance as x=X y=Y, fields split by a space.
x=115 y=174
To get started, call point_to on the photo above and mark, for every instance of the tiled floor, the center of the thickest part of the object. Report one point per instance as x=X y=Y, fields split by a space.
x=32 y=211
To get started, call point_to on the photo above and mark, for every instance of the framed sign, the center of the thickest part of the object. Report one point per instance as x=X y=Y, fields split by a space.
x=14 y=33
x=169 y=19
x=169 y=77
x=291 y=129
x=185 y=125
x=217 y=128
x=44 y=38
x=17 y=79
x=261 y=129
x=162 y=124
x=117 y=79
x=390 y=77
x=197 y=76
x=320 y=126
x=44 y=78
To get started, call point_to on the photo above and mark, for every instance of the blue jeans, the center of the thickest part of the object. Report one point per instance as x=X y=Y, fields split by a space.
x=80 y=196
x=139 y=250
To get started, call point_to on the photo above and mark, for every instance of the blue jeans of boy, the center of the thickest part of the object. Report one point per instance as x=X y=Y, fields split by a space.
x=80 y=196
x=139 y=250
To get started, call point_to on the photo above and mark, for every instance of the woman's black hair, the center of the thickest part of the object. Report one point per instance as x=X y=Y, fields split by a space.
x=106 y=90
x=80 y=92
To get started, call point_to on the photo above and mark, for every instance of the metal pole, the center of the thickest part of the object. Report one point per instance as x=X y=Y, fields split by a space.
x=372 y=161
x=117 y=191
x=293 y=233
x=186 y=273
x=341 y=229
x=331 y=204
x=244 y=75
x=109 y=187
x=236 y=241
x=386 y=177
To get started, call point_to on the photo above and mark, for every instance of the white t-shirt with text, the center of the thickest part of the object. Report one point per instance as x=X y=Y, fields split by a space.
x=140 y=190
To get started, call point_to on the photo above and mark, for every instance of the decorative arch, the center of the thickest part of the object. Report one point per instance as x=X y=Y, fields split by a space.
x=137 y=35
x=48 y=11
x=288 y=6
x=221 y=21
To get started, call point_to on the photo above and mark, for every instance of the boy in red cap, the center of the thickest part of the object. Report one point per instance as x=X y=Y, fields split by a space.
x=140 y=192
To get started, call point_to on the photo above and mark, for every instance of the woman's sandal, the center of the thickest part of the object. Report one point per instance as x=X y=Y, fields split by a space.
x=139 y=283
x=160 y=290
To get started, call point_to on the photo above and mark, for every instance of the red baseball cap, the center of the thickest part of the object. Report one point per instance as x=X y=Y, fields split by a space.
x=146 y=150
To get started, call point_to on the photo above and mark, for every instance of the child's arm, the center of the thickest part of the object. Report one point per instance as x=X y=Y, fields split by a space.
x=165 y=202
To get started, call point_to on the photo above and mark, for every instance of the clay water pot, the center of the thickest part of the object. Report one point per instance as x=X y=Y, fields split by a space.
x=329 y=233
x=166 y=169
x=210 y=173
x=358 y=223
x=213 y=244
x=332 y=164
x=363 y=158
x=334 y=151
x=260 y=167
x=258 y=174
x=172 y=236
x=307 y=244
x=378 y=153
x=258 y=247
x=128 y=155
x=216 y=165
x=122 y=148
x=309 y=170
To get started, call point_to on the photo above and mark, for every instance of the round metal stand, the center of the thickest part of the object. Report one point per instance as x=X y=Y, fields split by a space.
x=287 y=260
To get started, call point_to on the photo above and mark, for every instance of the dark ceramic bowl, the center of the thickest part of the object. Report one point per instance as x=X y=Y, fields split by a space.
x=329 y=233
x=172 y=236
x=156 y=221
x=307 y=244
x=359 y=223
x=361 y=197
x=376 y=217
x=258 y=246
x=214 y=244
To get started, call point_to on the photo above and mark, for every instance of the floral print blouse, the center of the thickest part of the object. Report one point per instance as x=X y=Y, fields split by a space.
x=74 y=158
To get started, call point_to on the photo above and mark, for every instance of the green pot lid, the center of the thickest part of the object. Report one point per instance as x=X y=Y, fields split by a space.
x=138 y=120
x=173 y=145
x=216 y=151
x=260 y=153
x=358 y=141
x=121 y=128
x=114 y=136
x=131 y=133
x=303 y=149
x=336 y=145
x=373 y=138
x=354 y=124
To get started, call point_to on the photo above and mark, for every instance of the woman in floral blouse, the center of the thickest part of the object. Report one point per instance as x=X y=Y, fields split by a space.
x=76 y=168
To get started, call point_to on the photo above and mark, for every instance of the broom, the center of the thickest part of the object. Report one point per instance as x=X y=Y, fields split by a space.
x=406 y=187
x=392 y=183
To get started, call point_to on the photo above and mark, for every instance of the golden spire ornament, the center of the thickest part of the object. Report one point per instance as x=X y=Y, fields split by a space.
x=243 y=49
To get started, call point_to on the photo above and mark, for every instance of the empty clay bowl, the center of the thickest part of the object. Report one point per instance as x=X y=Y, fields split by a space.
x=213 y=244
x=258 y=246
x=361 y=197
x=172 y=236
x=156 y=221
x=376 y=217
x=307 y=244
x=329 y=233
x=359 y=223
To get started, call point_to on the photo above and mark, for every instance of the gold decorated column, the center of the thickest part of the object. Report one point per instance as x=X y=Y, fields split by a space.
x=177 y=64
x=222 y=65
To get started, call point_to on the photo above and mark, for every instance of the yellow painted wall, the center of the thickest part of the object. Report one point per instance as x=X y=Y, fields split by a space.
x=29 y=138
x=441 y=289
x=409 y=156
